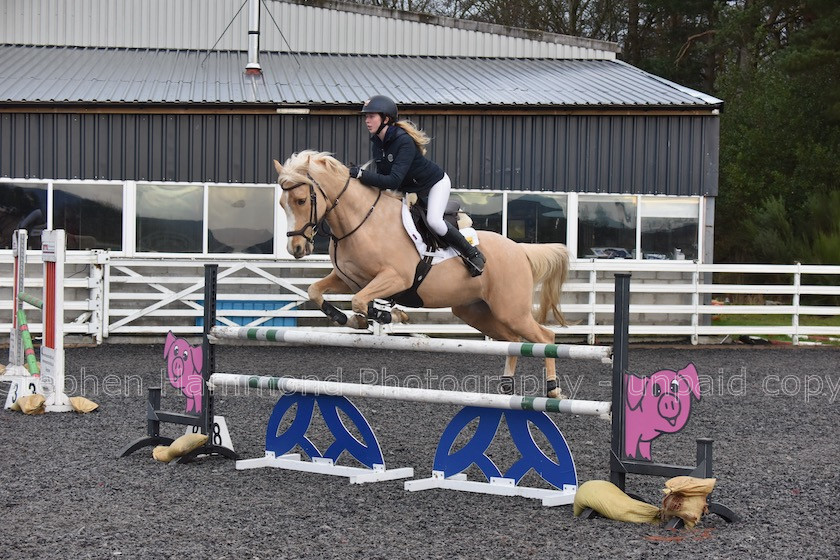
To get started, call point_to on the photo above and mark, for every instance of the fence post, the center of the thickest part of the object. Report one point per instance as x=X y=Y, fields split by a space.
x=695 y=303
x=97 y=296
x=797 y=286
x=593 y=300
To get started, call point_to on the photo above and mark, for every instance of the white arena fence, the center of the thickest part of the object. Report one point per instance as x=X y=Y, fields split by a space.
x=119 y=299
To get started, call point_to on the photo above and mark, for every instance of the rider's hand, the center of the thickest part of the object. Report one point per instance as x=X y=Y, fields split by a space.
x=356 y=172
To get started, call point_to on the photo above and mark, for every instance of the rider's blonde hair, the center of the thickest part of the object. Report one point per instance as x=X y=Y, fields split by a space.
x=421 y=139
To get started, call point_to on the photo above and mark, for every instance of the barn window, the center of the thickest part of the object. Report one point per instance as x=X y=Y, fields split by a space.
x=240 y=220
x=537 y=218
x=607 y=227
x=670 y=228
x=22 y=206
x=91 y=214
x=170 y=218
x=485 y=209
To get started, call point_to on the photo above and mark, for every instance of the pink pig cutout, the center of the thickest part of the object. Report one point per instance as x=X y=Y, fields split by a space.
x=183 y=365
x=655 y=405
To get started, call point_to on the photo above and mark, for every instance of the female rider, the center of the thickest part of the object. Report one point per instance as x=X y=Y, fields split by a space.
x=398 y=149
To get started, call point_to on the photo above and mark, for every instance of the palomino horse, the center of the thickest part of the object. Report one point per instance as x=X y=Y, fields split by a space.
x=374 y=257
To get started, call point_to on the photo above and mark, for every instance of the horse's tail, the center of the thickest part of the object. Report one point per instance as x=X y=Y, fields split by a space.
x=550 y=267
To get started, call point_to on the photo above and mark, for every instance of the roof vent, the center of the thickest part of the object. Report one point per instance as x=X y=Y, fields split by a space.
x=253 y=66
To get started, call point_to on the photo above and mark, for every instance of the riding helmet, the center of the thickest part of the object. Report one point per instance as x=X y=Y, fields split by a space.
x=382 y=105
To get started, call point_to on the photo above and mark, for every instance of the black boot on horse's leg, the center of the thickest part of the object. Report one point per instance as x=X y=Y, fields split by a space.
x=471 y=255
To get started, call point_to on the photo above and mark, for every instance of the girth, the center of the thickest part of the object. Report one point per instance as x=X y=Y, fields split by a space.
x=409 y=297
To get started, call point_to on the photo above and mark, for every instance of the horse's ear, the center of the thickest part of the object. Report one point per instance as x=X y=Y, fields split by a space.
x=277 y=167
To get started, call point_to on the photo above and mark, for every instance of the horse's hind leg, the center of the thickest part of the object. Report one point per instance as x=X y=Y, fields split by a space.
x=534 y=332
x=479 y=316
x=506 y=382
x=538 y=333
x=526 y=328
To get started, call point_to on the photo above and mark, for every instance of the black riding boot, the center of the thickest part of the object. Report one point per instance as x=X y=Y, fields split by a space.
x=471 y=255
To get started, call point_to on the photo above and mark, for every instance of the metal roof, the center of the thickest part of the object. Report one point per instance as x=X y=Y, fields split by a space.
x=60 y=75
x=322 y=26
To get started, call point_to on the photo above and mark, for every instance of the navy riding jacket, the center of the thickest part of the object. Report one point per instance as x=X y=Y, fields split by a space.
x=399 y=164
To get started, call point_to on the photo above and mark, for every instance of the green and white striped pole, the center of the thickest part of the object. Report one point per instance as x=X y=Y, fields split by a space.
x=443 y=345
x=28 y=348
x=31 y=300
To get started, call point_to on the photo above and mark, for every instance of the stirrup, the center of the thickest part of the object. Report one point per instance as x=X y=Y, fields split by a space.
x=475 y=264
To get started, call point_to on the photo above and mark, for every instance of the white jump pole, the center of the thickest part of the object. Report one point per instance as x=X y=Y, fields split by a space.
x=443 y=345
x=411 y=394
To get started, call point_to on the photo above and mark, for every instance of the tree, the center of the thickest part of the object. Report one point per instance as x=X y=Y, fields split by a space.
x=780 y=132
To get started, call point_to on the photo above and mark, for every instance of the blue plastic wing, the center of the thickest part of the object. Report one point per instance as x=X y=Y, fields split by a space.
x=555 y=473
x=475 y=450
x=366 y=451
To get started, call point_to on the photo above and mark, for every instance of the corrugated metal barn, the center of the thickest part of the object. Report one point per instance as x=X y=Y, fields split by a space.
x=145 y=91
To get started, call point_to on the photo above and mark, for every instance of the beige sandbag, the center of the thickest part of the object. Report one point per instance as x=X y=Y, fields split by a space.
x=608 y=500
x=685 y=497
x=83 y=405
x=30 y=404
x=179 y=447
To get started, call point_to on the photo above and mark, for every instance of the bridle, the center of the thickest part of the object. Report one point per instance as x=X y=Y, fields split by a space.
x=314 y=222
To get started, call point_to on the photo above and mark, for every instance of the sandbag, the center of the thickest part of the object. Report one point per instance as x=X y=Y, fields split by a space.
x=180 y=447
x=685 y=497
x=30 y=404
x=610 y=501
x=83 y=405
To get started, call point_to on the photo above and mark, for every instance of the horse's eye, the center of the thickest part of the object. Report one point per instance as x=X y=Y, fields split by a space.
x=301 y=201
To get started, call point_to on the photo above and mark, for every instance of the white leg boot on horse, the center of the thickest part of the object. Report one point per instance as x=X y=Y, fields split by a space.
x=385 y=284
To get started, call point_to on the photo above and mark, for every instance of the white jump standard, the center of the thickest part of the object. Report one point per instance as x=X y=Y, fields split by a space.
x=51 y=382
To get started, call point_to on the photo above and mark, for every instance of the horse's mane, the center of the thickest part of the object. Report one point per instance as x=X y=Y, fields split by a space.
x=297 y=166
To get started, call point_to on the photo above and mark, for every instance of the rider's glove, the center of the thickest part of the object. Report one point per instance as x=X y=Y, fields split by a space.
x=356 y=172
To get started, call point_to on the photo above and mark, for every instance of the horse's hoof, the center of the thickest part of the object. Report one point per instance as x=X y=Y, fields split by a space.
x=506 y=385
x=551 y=389
x=358 y=322
x=556 y=394
x=399 y=316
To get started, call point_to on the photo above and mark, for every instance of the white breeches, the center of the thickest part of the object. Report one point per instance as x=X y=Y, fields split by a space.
x=438 y=197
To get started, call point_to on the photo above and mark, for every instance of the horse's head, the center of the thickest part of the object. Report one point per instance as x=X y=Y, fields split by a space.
x=308 y=180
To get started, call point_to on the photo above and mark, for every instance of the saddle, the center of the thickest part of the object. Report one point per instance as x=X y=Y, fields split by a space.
x=433 y=241
x=418 y=214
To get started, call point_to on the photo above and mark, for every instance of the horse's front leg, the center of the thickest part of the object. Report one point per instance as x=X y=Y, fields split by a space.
x=330 y=284
x=385 y=284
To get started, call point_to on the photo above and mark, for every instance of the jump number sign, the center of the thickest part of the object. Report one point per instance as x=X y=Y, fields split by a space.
x=219 y=432
x=22 y=387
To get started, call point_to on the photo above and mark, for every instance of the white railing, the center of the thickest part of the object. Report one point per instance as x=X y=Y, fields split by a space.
x=132 y=298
